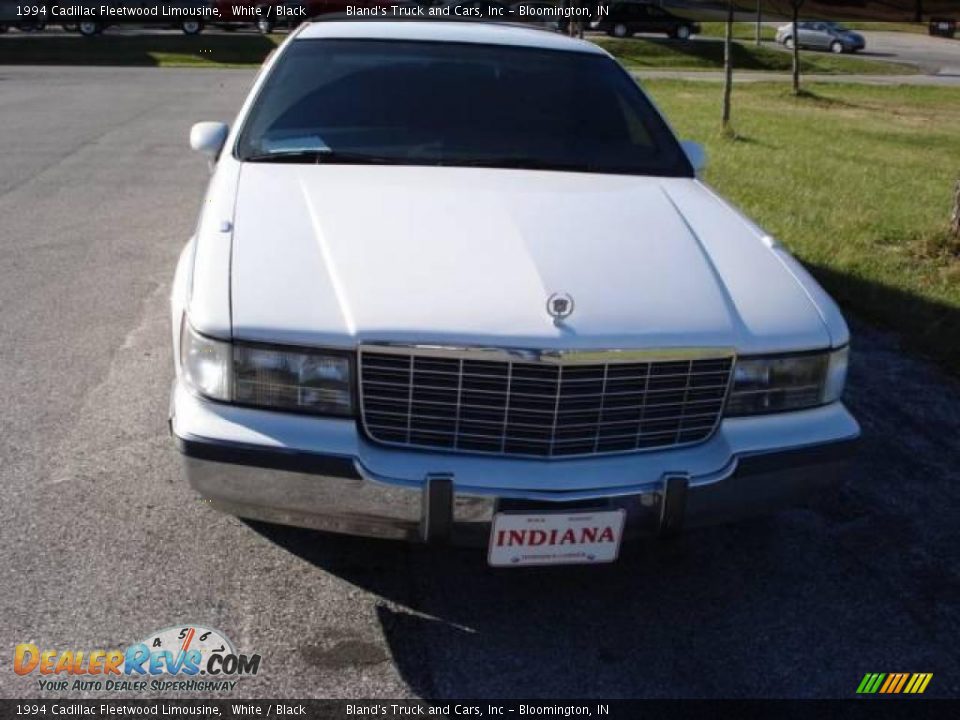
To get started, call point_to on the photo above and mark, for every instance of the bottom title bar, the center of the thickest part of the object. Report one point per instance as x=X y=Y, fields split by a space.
x=873 y=709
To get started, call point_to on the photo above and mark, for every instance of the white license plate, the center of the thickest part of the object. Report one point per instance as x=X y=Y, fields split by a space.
x=555 y=538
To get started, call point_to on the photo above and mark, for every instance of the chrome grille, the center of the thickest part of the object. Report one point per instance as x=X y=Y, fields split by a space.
x=539 y=409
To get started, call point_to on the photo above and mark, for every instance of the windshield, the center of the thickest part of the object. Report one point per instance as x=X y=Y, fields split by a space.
x=430 y=103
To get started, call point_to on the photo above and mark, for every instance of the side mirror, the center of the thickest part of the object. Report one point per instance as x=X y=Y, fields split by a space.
x=695 y=154
x=208 y=138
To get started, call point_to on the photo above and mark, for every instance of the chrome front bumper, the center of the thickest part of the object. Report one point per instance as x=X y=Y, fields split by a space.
x=345 y=498
x=274 y=467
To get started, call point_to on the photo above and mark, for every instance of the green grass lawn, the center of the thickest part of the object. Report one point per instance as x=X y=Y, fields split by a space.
x=908 y=27
x=741 y=30
x=856 y=180
x=650 y=54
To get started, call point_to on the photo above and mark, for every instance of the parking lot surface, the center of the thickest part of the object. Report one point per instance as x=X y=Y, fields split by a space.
x=102 y=542
x=933 y=55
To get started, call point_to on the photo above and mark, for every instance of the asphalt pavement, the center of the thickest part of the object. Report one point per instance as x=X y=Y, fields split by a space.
x=102 y=542
x=933 y=55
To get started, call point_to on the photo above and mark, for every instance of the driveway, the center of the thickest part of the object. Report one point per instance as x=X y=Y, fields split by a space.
x=102 y=541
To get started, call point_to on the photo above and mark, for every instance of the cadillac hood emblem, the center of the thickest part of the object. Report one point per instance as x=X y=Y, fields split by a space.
x=559 y=306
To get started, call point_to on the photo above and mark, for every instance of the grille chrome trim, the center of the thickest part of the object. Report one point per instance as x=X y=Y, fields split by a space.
x=543 y=404
x=551 y=357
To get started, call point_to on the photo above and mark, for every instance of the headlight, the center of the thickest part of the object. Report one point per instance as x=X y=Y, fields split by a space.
x=787 y=382
x=205 y=363
x=269 y=377
x=307 y=381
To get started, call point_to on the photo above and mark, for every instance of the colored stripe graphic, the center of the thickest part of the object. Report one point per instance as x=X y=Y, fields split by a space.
x=894 y=683
x=923 y=679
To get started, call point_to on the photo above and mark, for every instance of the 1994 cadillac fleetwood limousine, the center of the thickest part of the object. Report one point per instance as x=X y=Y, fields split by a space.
x=460 y=282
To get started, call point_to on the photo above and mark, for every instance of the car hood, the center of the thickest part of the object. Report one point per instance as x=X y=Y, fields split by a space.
x=335 y=255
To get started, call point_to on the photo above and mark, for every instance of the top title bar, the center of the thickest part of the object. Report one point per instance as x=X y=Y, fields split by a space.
x=166 y=12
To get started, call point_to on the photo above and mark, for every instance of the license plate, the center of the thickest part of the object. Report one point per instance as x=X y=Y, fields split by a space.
x=555 y=538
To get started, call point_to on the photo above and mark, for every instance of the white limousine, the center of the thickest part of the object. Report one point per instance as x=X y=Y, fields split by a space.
x=460 y=282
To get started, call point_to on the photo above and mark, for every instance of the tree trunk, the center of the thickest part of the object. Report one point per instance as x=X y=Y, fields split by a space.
x=575 y=28
x=796 y=50
x=759 y=21
x=727 y=66
x=955 y=218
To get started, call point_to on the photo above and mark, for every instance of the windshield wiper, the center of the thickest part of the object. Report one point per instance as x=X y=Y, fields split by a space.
x=320 y=157
x=324 y=156
x=522 y=163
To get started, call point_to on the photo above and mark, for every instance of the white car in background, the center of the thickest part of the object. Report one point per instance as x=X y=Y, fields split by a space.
x=436 y=295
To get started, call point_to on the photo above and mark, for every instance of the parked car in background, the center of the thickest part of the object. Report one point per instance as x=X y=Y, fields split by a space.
x=90 y=28
x=188 y=25
x=266 y=15
x=627 y=18
x=28 y=26
x=943 y=27
x=439 y=349
x=821 y=35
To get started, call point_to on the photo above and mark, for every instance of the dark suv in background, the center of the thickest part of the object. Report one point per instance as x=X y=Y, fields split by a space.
x=627 y=18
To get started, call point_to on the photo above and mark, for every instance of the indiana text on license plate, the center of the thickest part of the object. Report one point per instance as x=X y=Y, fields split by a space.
x=556 y=538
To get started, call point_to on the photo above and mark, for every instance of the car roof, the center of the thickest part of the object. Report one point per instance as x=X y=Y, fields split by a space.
x=452 y=31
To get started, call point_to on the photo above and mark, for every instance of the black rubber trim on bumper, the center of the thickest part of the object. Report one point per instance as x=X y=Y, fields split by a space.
x=674 y=505
x=436 y=522
x=271 y=458
x=764 y=462
x=343 y=466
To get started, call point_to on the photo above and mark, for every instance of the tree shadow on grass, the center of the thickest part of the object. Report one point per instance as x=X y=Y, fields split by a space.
x=732 y=135
x=819 y=99
x=702 y=52
x=925 y=326
x=707 y=53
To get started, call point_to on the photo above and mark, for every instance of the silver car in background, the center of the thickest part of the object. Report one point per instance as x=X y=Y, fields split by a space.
x=821 y=35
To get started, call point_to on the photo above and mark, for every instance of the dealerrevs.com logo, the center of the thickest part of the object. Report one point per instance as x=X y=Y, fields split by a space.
x=185 y=658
